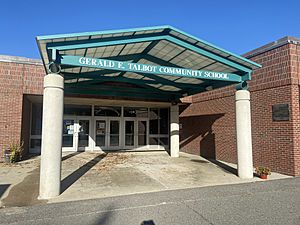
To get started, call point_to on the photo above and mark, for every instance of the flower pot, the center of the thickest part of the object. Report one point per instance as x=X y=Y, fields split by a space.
x=264 y=176
x=7 y=154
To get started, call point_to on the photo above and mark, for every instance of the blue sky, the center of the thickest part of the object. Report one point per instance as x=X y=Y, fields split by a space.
x=237 y=26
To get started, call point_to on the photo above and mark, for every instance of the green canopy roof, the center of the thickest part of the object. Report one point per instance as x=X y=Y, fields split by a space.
x=153 y=63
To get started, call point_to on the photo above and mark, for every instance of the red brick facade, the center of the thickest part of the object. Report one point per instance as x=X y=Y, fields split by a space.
x=16 y=79
x=208 y=124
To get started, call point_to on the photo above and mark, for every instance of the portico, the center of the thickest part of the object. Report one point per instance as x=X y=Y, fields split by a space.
x=152 y=68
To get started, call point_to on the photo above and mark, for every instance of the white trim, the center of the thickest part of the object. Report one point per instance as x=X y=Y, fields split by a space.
x=92 y=128
x=66 y=149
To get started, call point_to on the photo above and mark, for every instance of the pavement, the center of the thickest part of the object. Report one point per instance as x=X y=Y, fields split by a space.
x=90 y=175
x=274 y=202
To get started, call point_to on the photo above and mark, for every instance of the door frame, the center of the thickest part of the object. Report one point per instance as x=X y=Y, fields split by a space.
x=94 y=133
x=146 y=146
x=135 y=145
x=90 y=139
x=124 y=132
x=107 y=120
x=75 y=147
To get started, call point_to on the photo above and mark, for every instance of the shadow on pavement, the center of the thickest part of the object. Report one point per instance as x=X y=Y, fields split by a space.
x=26 y=192
x=73 y=177
x=70 y=155
x=104 y=217
x=199 y=160
x=224 y=166
x=3 y=188
x=148 y=222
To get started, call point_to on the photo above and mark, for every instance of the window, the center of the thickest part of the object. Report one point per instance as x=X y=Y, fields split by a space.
x=154 y=120
x=135 y=112
x=78 y=110
x=36 y=127
x=107 y=111
x=164 y=121
x=36 y=118
x=159 y=126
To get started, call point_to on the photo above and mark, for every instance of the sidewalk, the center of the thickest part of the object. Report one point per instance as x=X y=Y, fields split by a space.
x=87 y=175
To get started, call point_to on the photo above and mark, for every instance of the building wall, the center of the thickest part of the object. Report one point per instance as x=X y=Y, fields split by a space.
x=295 y=73
x=17 y=77
x=209 y=122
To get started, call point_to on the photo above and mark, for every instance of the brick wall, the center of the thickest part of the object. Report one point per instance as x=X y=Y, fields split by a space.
x=295 y=73
x=209 y=122
x=16 y=78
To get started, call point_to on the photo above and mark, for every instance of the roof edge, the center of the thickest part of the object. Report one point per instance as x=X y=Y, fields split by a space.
x=272 y=45
x=80 y=34
x=214 y=46
x=19 y=59
x=40 y=38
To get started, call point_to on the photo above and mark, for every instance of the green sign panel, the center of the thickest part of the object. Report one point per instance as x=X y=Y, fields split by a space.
x=145 y=68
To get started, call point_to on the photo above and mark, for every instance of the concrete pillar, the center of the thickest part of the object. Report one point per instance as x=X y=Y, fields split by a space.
x=243 y=134
x=53 y=102
x=174 y=131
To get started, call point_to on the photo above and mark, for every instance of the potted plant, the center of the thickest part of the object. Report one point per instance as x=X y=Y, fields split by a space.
x=263 y=172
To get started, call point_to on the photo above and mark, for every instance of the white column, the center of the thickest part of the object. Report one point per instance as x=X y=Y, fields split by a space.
x=53 y=102
x=174 y=131
x=243 y=134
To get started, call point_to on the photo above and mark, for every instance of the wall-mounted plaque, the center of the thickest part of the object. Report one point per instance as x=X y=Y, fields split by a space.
x=280 y=112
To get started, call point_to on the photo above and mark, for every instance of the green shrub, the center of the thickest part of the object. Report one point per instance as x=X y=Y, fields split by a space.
x=16 y=152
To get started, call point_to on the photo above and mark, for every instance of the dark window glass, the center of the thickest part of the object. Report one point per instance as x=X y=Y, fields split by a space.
x=83 y=134
x=114 y=133
x=107 y=111
x=36 y=121
x=78 y=110
x=68 y=131
x=35 y=143
x=164 y=121
x=135 y=112
x=100 y=132
x=142 y=133
x=153 y=140
x=153 y=120
x=129 y=133
x=164 y=141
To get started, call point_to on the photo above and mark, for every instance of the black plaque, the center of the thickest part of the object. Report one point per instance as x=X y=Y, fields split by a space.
x=280 y=112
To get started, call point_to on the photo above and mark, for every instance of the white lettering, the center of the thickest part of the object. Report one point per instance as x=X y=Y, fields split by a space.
x=94 y=62
x=120 y=65
x=216 y=75
x=82 y=60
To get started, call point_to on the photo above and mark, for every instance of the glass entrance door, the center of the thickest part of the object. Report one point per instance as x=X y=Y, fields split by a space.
x=83 y=134
x=129 y=133
x=142 y=132
x=101 y=137
x=76 y=133
x=114 y=133
x=107 y=133
x=136 y=132
x=68 y=141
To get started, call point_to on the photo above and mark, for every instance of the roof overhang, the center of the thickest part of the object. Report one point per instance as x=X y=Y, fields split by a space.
x=153 y=63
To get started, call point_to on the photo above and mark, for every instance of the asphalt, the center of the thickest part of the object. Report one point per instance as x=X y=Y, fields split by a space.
x=270 y=202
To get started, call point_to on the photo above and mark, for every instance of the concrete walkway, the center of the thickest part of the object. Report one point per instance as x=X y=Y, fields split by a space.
x=94 y=175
